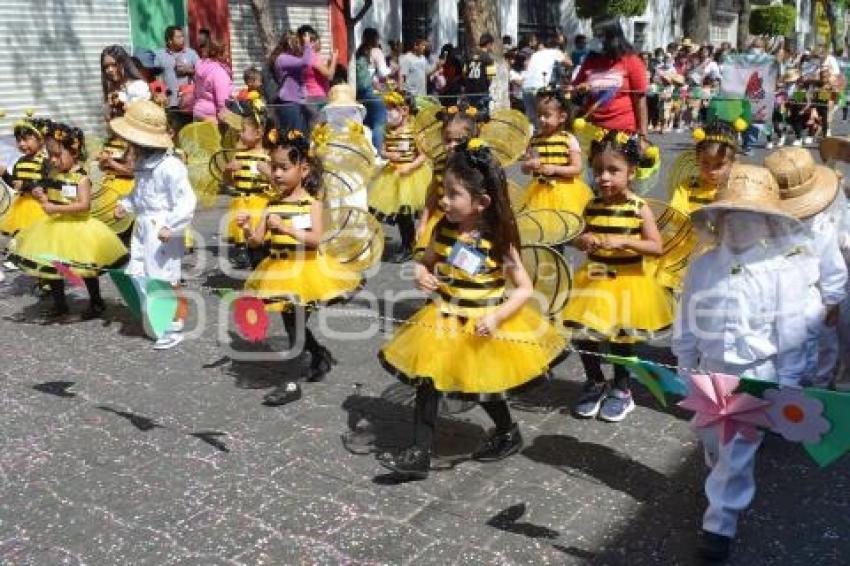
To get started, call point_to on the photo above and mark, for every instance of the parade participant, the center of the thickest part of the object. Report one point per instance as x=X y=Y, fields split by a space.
x=162 y=201
x=67 y=233
x=716 y=149
x=296 y=275
x=554 y=158
x=474 y=325
x=616 y=299
x=248 y=173
x=398 y=192
x=27 y=173
x=807 y=191
x=460 y=123
x=740 y=315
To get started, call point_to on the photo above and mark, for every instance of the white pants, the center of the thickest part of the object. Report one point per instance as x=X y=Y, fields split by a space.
x=149 y=257
x=730 y=485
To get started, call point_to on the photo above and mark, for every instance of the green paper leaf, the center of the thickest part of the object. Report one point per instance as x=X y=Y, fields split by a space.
x=127 y=289
x=755 y=387
x=647 y=380
x=161 y=304
x=836 y=442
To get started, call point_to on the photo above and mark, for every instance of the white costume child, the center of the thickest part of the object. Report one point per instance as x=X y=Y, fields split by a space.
x=740 y=315
x=808 y=191
x=162 y=201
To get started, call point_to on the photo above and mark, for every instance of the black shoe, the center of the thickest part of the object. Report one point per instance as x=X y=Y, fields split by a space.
x=410 y=463
x=321 y=363
x=283 y=394
x=95 y=310
x=241 y=260
x=714 y=547
x=499 y=445
x=404 y=255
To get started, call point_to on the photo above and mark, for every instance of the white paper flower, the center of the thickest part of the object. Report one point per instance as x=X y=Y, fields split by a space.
x=795 y=416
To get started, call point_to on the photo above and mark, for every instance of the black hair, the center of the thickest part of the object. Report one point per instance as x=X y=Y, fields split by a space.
x=507 y=40
x=38 y=127
x=308 y=29
x=580 y=37
x=617 y=141
x=721 y=138
x=615 y=44
x=170 y=31
x=482 y=174
x=486 y=39
x=409 y=100
x=129 y=70
x=556 y=95
x=252 y=72
x=462 y=112
x=69 y=137
x=370 y=39
x=297 y=148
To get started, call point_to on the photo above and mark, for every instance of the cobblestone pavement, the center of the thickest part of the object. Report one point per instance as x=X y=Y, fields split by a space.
x=115 y=454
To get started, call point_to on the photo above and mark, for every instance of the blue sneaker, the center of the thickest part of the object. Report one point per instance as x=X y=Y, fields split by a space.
x=592 y=396
x=616 y=406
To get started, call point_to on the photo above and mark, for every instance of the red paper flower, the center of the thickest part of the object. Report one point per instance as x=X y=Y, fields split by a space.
x=251 y=318
x=65 y=271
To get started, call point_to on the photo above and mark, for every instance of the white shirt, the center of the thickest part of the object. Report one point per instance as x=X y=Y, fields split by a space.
x=538 y=73
x=832 y=63
x=741 y=311
x=162 y=191
x=825 y=266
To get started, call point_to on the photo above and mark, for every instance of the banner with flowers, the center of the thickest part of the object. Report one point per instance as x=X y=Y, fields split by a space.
x=752 y=77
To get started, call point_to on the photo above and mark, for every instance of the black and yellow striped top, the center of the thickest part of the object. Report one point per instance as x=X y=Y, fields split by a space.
x=117 y=149
x=552 y=150
x=438 y=174
x=691 y=197
x=248 y=178
x=622 y=219
x=63 y=188
x=463 y=294
x=401 y=141
x=281 y=244
x=30 y=170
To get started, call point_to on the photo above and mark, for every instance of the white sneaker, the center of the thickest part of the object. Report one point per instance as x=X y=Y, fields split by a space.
x=781 y=141
x=168 y=341
x=809 y=140
x=9 y=266
x=176 y=326
x=797 y=143
x=769 y=145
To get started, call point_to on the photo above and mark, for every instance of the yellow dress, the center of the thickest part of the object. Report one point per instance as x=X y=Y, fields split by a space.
x=424 y=233
x=687 y=199
x=439 y=344
x=690 y=197
x=251 y=194
x=391 y=194
x=616 y=297
x=295 y=275
x=119 y=183
x=556 y=193
x=25 y=210
x=78 y=239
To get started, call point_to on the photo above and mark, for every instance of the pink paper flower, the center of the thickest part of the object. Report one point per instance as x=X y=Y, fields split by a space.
x=796 y=416
x=714 y=403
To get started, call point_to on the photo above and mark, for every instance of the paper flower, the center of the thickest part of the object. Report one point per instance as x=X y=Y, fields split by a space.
x=321 y=134
x=599 y=134
x=796 y=416
x=474 y=144
x=355 y=128
x=652 y=153
x=393 y=98
x=73 y=279
x=622 y=138
x=471 y=111
x=714 y=403
x=579 y=124
x=452 y=109
x=252 y=95
x=251 y=318
x=273 y=136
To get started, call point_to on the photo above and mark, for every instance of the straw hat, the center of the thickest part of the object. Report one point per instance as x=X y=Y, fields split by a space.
x=792 y=75
x=342 y=95
x=749 y=188
x=835 y=149
x=805 y=187
x=143 y=123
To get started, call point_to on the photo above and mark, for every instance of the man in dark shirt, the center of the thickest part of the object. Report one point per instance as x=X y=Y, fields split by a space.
x=478 y=72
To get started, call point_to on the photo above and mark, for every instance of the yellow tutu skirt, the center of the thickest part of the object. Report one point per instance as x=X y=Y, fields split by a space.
x=253 y=205
x=424 y=236
x=571 y=196
x=303 y=279
x=624 y=307
x=121 y=185
x=391 y=194
x=445 y=350
x=23 y=213
x=78 y=240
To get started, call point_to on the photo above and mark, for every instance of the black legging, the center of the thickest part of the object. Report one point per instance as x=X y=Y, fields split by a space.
x=425 y=415
x=57 y=291
x=593 y=363
x=406 y=230
x=291 y=325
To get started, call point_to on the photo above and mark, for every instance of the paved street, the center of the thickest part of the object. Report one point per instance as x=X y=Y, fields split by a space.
x=115 y=454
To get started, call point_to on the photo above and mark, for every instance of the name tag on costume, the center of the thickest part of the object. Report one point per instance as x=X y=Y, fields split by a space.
x=466 y=258
x=69 y=191
x=302 y=222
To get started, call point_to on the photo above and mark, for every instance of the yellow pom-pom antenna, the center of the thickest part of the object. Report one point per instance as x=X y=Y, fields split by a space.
x=740 y=125
x=699 y=135
x=253 y=95
x=653 y=153
x=579 y=124
x=30 y=112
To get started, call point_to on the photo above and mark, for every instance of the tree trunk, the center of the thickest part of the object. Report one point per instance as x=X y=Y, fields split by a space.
x=743 y=23
x=263 y=13
x=480 y=16
x=829 y=10
x=696 y=20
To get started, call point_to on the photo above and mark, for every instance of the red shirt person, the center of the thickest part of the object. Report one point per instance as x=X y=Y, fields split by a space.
x=617 y=81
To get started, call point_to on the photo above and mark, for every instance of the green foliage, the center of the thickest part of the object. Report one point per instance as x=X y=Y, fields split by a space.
x=773 y=20
x=599 y=8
